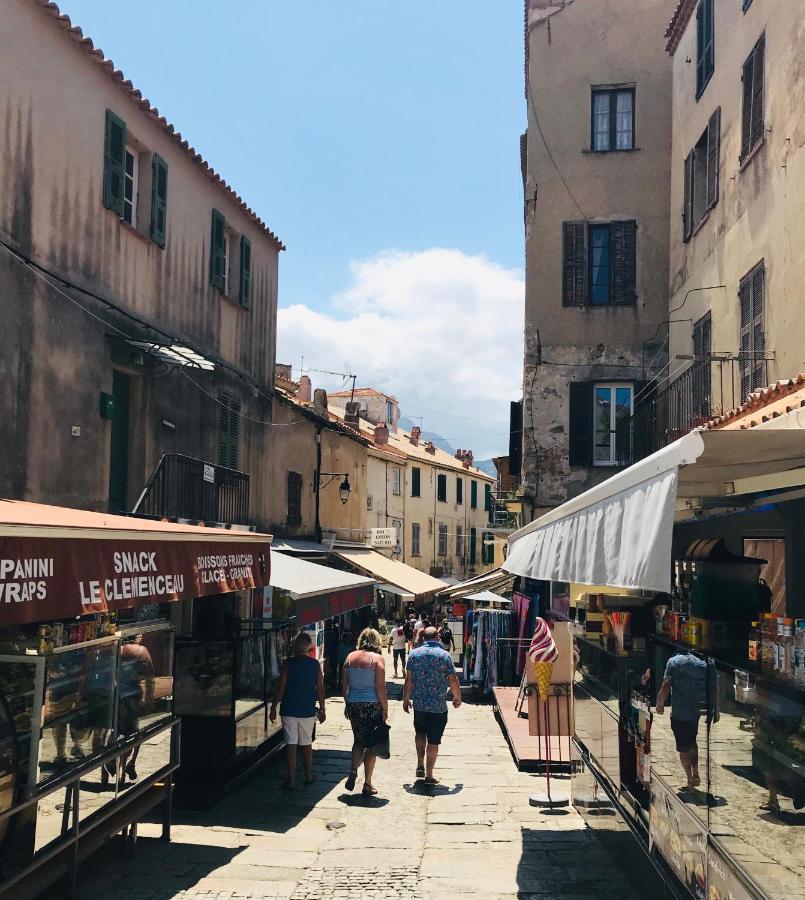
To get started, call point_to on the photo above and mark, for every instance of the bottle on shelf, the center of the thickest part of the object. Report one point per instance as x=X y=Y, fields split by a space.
x=767 y=638
x=799 y=653
x=786 y=652
x=754 y=642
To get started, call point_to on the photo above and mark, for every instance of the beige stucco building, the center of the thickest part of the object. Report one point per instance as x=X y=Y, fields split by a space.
x=737 y=263
x=442 y=505
x=138 y=290
x=596 y=165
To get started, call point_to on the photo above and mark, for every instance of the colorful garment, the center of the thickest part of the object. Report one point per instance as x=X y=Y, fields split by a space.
x=431 y=667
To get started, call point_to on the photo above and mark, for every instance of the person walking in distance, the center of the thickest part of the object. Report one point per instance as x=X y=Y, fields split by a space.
x=429 y=674
x=397 y=642
x=691 y=682
x=446 y=637
x=410 y=628
x=301 y=681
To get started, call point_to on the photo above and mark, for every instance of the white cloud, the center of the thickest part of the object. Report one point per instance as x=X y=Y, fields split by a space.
x=440 y=330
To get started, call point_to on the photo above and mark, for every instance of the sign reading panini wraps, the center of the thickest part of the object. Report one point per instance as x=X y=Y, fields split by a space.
x=43 y=578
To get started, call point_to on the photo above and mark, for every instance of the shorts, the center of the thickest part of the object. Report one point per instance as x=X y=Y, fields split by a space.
x=431 y=724
x=399 y=654
x=298 y=730
x=685 y=733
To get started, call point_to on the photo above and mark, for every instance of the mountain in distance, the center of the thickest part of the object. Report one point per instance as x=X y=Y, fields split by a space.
x=485 y=465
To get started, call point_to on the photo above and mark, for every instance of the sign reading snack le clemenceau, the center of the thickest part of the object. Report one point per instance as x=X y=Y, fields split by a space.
x=43 y=579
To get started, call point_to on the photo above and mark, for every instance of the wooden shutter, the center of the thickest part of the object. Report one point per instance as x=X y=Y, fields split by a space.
x=713 y=154
x=705 y=45
x=758 y=333
x=415 y=482
x=747 y=78
x=441 y=488
x=745 y=301
x=245 y=293
x=473 y=495
x=294 y=498
x=580 y=445
x=758 y=89
x=159 y=199
x=624 y=262
x=234 y=432
x=459 y=490
x=217 y=255
x=574 y=264
x=687 y=205
x=114 y=163
x=488 y=497
x=223 y=428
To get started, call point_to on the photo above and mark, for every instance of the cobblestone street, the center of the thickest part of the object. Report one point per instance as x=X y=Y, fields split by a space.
x=473 y=835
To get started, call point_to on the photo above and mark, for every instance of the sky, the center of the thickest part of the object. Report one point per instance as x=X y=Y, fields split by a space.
x=380 y=141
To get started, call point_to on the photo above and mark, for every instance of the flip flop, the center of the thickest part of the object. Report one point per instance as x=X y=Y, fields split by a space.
x=420 y=771
x=351 y=779
x=431 y=780
x=368 y=791
x=310 y=780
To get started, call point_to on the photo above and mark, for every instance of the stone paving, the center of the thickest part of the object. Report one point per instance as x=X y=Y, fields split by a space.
x=474 y=835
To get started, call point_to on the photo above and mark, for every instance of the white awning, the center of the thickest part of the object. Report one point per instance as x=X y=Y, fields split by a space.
x=305 y=579
x=486 y=582
x=619 y=532
x=411 y=580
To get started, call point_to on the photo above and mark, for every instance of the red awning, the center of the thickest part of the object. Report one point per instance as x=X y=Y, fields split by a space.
x=56 y=563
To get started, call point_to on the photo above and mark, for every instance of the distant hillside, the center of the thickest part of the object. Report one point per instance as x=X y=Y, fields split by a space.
x=486 y=466
x=436 y=439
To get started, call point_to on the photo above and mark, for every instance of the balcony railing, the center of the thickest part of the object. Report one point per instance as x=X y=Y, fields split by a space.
x=709 y=387
x=182 y=487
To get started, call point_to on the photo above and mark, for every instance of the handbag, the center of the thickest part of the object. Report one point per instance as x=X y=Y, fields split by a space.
x=379 y=740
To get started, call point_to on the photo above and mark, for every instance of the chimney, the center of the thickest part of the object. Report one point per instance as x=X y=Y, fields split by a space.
x=460 y=455
x=467 y=459
x=352 y=415
x=415 y=433
x=429 y=448
x=305 y=389
x=381 y=435
x=320 y=401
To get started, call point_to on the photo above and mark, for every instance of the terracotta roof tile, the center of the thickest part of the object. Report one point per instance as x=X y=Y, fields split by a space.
x=760 y=400
x=679 y=21
x=98 y=56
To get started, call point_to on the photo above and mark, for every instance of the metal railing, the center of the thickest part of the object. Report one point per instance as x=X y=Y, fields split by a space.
x=709 y=387
x=182 y=487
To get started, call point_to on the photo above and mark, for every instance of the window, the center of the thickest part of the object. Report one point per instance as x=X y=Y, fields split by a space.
x=488 y=505
x=473 y=495
x=752 y=127
x=612 y=410
x=473 y=542
x=705 y=45
x=613 y=119
x=294 y=498
x=599 y=264
x=130 y=186
x=442 y=539
x=415 y=533
x=753 y=339
x=389 y=412
x=487 y=548
x=218 y=251
x=460 y=541
x=702 y=351
x=459 y=491
x=701 y=176
x=441 y=488
x=746 y=5
x=245 y=282
x=228 y=430
x=123 y=172
x=415 y=481
x=396 y=482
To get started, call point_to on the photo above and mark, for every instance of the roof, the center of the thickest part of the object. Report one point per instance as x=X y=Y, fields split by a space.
x=97 y=55
x=399 y=442
x=767 y=403
x=411 y=580
x=679 y=22
x=494 y=579
x=19 y=518
x=488 y=597
x=306 y=579
x=330 y=420
x=362 y=392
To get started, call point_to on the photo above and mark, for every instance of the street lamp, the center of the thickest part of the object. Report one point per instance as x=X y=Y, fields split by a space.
x=344 y=489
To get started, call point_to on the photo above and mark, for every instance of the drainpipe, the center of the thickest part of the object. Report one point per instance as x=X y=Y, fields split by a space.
x=317 y=482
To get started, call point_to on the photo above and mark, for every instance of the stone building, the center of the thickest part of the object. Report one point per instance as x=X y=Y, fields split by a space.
x=737 y=263
x=138 y=290
x=596 y=165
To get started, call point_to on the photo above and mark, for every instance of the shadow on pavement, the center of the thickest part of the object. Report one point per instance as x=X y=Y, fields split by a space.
x=364 y=802
x=432 y=790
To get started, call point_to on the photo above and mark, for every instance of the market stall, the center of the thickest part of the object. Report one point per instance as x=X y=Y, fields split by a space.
x=89 y=733
x=663 y=549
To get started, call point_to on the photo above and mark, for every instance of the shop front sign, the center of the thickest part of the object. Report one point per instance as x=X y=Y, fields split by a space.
x=679 y=838
x=383 y=537
x=42 y=578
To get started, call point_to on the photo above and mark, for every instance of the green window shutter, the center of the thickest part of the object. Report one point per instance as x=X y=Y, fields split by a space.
x=488 y=497
x=459 y=490
x=441 y=488
x=159 y=199
x=473 y=541
x=114 y=162
x=245 y=293
x=217 y=258
x=474 y=494
x=574 y=264
x=415 y=482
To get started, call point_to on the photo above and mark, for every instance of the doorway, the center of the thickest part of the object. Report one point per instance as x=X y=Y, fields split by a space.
x=119 y=444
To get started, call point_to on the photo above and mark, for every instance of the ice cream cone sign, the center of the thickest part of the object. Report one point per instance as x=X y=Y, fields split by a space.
x=543 y=653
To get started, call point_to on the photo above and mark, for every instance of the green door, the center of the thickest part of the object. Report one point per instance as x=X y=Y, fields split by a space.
x=119 y=453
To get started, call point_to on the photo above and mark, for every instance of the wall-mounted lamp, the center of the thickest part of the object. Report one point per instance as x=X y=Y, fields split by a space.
x=344 y=489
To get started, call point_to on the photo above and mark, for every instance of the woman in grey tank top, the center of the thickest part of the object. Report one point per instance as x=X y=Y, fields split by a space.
x=364 y=686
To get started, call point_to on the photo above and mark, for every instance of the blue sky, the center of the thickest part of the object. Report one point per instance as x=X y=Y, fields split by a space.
x=359 y=130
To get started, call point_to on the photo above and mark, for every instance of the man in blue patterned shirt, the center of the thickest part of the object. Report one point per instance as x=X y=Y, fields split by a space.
x=428 y=675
